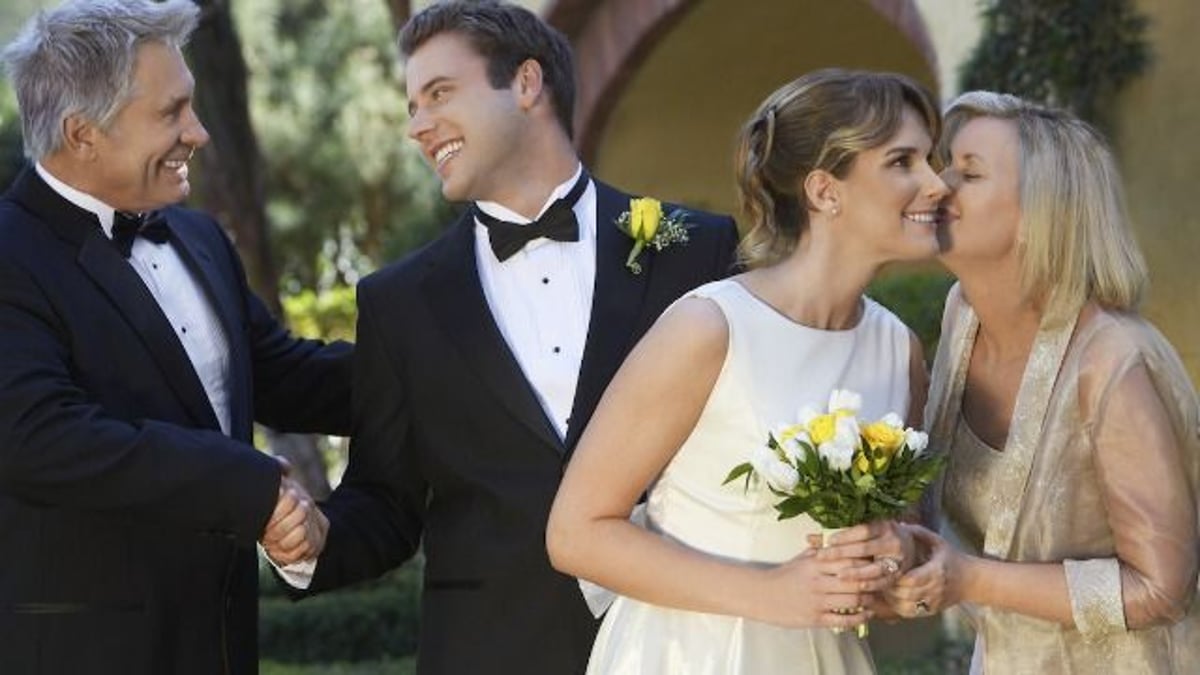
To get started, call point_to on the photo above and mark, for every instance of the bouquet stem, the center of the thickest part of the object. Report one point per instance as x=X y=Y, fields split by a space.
x=861 y=630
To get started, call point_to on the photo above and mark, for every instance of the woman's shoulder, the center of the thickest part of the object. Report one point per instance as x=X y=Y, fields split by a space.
x=1108 y=343
x=879 y=318
x=1106 y=335
x=714 y=289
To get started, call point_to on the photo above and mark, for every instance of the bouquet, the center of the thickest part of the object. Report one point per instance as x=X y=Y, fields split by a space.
x=840 y=471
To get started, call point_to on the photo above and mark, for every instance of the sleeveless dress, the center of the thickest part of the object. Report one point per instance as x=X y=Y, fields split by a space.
x=772 y=368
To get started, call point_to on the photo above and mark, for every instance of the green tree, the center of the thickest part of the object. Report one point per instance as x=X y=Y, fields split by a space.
x=346 y=190
x=13 y=15
x=1074 y=54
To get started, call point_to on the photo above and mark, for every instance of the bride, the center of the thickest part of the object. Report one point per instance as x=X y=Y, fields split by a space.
x=833 y=173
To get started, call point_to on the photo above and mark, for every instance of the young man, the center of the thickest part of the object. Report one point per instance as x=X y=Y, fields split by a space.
x=133 y=362
x=480 y=360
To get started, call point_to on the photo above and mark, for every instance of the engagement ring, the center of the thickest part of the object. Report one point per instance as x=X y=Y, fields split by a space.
x=890 y=566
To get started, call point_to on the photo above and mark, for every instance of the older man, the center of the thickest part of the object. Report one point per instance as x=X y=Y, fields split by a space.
x=133 y=361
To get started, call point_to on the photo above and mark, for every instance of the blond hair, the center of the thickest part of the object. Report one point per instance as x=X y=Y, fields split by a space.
x=1076 y=241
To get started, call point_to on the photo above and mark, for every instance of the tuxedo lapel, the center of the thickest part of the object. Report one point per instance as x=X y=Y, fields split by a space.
x=456 y=299
x=101 y=261
x=616 y=305
x=195 y=254
x=112 y=273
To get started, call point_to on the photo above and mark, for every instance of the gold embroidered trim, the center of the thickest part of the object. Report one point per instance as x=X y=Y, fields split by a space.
x=1095 y=589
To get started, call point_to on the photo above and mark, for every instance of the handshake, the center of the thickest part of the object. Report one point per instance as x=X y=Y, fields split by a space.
x=297 y=528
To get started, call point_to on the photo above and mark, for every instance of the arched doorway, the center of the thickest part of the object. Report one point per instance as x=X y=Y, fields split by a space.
x=664 y=84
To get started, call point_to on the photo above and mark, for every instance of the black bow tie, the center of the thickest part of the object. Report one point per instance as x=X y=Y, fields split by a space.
x=557 y=223
x=127 y=227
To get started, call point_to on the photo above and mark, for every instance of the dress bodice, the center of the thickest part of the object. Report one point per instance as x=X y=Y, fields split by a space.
x=773 y=367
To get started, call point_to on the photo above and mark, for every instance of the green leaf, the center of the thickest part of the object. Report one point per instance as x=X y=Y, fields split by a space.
x=744 y=469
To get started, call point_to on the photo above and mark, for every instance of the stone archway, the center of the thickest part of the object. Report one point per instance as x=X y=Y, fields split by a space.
x=613 y=38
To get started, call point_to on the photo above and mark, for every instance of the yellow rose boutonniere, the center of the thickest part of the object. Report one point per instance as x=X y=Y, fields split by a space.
x=645 y=224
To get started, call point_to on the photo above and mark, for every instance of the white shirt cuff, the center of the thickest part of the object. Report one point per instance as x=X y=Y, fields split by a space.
x=298 y=574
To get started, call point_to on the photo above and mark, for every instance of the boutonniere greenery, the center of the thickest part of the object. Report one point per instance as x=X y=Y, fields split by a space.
x=645 y=224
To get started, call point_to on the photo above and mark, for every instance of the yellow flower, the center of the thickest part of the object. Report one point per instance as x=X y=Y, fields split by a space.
x=884 y=437
x=861 y=462
x=788 y=432
x=645 y=214
x=822 y=428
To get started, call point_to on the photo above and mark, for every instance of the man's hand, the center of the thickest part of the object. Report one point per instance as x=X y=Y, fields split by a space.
x=297 y=527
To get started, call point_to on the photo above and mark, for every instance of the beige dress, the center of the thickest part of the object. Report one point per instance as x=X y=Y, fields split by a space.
x=1091 y=477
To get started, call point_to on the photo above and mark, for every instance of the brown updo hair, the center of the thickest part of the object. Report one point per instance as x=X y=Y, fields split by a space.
x=821 y=120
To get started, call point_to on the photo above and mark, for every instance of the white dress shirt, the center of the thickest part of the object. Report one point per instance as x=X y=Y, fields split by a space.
x=541 y=299
x=179 y=296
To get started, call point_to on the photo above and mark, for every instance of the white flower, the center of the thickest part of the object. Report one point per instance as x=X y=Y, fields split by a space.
x=838 y=454
x=783 y=431
x=916 y=441
x=846 y=431
x=780 y=475
x=893 y=420
x=789 y=437
x=844 y=399
x=801 y=437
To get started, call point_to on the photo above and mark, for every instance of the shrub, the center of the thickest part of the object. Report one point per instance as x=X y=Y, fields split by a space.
x=371 y=621
x=917 y=298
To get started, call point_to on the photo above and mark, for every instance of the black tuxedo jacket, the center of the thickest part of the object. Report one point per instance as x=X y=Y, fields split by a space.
x=451 y=449
x=127 y=519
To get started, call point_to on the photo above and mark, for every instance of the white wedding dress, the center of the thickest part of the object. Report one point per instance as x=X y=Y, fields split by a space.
x=773 y=367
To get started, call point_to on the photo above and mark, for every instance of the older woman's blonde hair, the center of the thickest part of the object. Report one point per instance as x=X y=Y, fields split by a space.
x=821 y=120
x=1076 y=242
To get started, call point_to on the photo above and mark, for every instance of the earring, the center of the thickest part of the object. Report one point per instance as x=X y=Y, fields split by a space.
x=835 y=211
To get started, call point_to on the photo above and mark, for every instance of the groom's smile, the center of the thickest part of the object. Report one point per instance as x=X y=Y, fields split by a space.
x=445 y=152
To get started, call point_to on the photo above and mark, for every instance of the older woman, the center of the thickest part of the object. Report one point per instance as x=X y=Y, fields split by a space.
x=1071 y=425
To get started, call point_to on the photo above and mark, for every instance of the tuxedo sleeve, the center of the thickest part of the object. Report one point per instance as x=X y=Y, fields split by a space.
x=300 y=386
x=725 y=259
x=377 y=513
x=59 y=448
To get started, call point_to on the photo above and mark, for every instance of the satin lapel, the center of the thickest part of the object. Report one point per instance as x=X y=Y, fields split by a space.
x=220 y=295
x=456 y=300
x=120 y=282
x=1024 y=433
x=616 y=305
x=944 y=408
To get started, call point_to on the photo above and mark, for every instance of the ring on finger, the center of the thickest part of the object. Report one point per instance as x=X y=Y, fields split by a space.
x=922 y=606
x=890 y=565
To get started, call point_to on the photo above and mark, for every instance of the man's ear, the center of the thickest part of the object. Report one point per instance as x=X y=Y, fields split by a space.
x=79 y=136
x=823 y=191
x=529 y=83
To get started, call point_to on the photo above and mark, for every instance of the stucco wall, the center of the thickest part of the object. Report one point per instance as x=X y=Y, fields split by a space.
x=1158 y=143
x=672 y=133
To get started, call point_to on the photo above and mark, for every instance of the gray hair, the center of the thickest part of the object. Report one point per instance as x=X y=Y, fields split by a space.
x=79 y=59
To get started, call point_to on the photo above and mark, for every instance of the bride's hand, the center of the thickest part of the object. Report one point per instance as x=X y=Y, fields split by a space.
x=808 y=592
x=887 y=545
